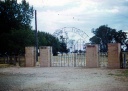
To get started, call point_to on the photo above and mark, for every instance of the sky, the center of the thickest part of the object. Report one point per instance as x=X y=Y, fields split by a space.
x=85 y=15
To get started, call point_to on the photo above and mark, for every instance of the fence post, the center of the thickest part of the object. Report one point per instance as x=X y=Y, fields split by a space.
x=74 y=59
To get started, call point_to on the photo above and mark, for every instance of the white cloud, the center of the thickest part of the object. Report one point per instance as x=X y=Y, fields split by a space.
x=55 y=2
x=35 y=3
x=82 y=14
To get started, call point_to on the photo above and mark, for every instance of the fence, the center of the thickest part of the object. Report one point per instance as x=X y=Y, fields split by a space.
x=103 y=59
x=20 y=60
x=68 y=60
x=92 y=58
x=124 y=59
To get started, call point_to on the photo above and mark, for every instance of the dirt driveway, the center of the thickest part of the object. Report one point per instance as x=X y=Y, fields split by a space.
x=61 y=79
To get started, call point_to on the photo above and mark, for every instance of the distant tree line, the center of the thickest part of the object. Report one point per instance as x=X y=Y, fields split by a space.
x=15 y=29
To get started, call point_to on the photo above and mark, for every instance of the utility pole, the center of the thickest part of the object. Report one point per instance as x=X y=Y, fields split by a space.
x=36 y=35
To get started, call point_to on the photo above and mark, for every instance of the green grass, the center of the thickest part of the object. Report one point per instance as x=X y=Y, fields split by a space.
x=122 y=73
x=125 y=73
x=5 y=65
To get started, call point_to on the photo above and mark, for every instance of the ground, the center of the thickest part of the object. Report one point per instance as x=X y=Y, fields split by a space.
x=62 y=79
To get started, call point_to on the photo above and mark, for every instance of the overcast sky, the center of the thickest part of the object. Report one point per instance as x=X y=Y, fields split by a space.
x=82 y=14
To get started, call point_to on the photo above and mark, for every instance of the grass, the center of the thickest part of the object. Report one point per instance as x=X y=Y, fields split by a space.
x=5 y=65
x=121 y=73
x=125 y=73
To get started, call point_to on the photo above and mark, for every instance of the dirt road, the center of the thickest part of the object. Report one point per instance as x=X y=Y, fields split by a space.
x=61 y=79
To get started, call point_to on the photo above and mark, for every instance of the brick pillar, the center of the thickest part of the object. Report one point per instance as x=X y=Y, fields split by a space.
x=45 y=56
x=92 y=56
x=114 y=50
x=29 y=56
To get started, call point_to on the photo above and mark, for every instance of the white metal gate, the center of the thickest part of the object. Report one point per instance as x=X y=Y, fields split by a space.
x=68 y=60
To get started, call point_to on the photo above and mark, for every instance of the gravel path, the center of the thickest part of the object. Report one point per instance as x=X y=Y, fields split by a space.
x=60 y=79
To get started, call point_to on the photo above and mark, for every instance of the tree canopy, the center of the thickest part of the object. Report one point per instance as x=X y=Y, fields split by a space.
x=104 y=35
x=46 y=39
x=15 y=26
x=15 y=15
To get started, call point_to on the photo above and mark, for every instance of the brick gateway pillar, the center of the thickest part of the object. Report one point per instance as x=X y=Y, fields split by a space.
x=45 y=56
x=29 y=56
x=114 y=50
x=92 y=56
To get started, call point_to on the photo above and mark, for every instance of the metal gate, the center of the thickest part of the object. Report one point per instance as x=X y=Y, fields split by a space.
x=124 y=59
x=74 y=58
x=103 y=59
x=68 y=60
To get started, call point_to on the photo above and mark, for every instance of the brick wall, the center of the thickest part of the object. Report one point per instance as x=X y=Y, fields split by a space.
x=114 y=55
x=29 y=56
x=92 y=56
x=45 y=55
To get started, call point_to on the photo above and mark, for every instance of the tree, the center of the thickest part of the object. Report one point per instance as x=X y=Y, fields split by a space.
x=104 y=35
x=46 y=39
x=63 y=45
x=14 y=15
x=15 y=20
x=26 y=38
x=120 y=37
x=63 y=48
x=14 y=43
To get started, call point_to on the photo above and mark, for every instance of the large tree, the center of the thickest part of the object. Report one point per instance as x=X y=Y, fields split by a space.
x=15 y=28
x=15 y=15
x=104 y=35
